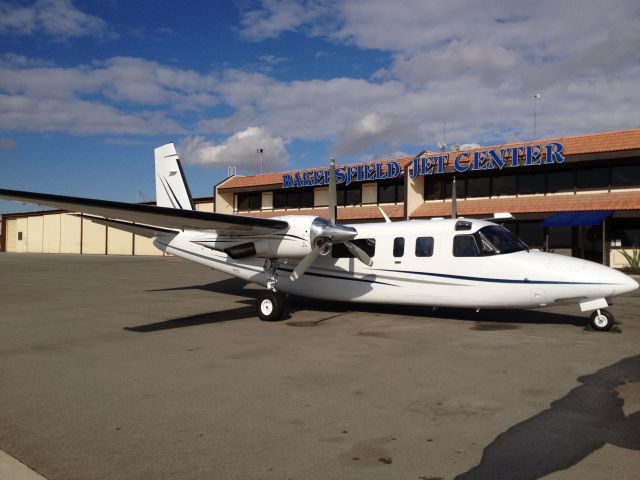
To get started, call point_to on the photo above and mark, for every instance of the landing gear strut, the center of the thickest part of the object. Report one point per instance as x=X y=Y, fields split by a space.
x=270 y=306
x=602 y=320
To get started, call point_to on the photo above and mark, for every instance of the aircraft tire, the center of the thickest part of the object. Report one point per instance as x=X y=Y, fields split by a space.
x=602 y=320
x=270 y=307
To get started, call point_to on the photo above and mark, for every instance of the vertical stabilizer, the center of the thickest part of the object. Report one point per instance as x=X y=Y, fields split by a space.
x=171 y=186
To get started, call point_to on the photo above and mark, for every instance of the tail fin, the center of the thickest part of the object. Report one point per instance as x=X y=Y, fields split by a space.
x=171 y=186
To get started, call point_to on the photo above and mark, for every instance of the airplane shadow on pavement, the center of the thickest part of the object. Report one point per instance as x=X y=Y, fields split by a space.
x=578 y=424
x=484 y=320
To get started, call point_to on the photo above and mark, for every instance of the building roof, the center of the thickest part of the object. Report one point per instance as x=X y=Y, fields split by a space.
x=573 y=145
x=626 y=200
x=345 y=214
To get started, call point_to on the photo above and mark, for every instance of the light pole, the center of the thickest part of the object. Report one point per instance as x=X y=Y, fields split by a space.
x=261 y=152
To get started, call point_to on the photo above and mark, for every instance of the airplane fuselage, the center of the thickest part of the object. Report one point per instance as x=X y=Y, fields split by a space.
x=437 y=277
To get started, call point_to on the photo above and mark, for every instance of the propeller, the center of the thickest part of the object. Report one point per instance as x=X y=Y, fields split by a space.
x=326 y=233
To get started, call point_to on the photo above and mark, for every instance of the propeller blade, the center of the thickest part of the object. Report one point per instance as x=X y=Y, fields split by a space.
x=305 y=263
x=359 y=253
x=333 y=196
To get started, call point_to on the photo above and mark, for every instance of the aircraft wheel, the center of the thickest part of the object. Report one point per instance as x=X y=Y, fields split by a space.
x=270 y=307
x=602 y=320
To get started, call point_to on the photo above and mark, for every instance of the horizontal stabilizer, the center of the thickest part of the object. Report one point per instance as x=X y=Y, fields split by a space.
x=151 y=215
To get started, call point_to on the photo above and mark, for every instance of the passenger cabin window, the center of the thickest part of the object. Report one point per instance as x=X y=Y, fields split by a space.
x=424 y=246
x=398 y=246
x=465 y=246
x=368 y=245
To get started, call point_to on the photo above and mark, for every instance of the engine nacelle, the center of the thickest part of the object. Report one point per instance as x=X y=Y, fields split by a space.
x=295 y=242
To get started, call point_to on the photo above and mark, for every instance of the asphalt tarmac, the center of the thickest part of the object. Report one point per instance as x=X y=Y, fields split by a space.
x=154 y=368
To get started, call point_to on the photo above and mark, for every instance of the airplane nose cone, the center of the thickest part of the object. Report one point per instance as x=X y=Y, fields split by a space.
x=623 y=283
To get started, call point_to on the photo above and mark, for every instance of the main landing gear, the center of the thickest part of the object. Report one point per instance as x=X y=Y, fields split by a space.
x=602 y=320
x=270 y=306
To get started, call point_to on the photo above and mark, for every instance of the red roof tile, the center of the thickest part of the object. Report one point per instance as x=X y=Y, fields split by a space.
x=345 y=214
x=629 y=200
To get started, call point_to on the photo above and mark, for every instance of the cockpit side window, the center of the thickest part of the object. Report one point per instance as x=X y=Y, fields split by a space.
x=465 y=246
x=497 y=240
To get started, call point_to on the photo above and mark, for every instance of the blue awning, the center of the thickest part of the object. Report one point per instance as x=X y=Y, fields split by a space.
x=573 y=219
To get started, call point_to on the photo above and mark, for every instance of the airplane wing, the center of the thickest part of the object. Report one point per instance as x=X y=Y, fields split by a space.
x=150 y=214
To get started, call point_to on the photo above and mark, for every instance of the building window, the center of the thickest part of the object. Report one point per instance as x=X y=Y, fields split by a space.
x=398 y=247
x=559 y=237
x=280 y=199
x=532 y=233
x=424 y=246
x=505 y=185
x=368 y=245
x=625 y=176
x=19 y=236
x=626 y=231
x=461 y=187
x=433 y=188
x=592 y=178
x=249 y=201
x=560 y=181
x=531 y=183
x=391 y=192
x=350 y=195
x=478 y=187
x=302 y=198
x=465 y=246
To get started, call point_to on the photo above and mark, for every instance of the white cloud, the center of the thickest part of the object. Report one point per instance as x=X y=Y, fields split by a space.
x=83 y=99
x=239 y=150
x=56 y=18
x=78 y=117
x=278 y=16
x=475 y=67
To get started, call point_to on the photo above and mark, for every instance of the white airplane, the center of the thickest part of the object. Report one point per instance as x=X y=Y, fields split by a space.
x=453 y=262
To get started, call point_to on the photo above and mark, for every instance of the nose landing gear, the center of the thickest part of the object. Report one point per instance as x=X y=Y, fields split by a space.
x=602 y=320
x=270 y=306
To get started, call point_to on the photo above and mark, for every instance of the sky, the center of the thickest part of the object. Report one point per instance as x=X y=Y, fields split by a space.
x=89 y=88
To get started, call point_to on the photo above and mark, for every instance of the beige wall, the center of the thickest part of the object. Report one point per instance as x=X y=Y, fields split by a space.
x=119 y=242
x=414 y=191
x=267 y=200
x=63 y=233
x=70 y=227
x=34 y=236
x=12 y=235
x=321 y=197
x=93 y=238
x=21 y=245
x=144 y=246
x=369 y=193
x=616 y=258
x=224 y=202
x=205 y=207
x=51 y=234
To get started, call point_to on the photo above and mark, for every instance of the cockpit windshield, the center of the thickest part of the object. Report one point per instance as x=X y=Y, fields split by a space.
x=496 y=240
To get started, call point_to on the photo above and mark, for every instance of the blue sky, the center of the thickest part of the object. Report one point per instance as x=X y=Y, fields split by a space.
x=89 y=88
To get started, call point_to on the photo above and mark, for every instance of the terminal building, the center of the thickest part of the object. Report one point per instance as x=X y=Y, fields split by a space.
x=577 y=195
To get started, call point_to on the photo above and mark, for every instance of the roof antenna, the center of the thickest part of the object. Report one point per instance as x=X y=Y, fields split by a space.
x=537 y=98
x=454 y=203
